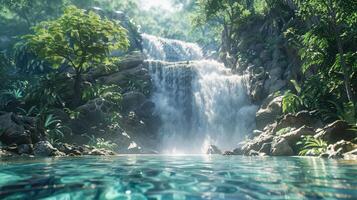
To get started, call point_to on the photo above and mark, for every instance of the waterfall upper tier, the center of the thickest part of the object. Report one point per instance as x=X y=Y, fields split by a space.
x=157 y=48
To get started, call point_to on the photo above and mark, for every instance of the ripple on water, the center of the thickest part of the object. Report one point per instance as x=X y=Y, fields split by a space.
x=178 y=177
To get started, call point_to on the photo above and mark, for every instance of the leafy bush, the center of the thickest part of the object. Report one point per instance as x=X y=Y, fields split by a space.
x=311 y=146
x=54 y=128
x=101 y=143
x=110 y=93
x=284 y=131
x=291 y=103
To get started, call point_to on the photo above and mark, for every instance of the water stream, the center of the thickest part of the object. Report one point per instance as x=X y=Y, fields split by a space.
x=200 y=102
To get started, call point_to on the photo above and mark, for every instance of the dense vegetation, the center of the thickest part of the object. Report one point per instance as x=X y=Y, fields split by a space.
x=320 y=38
x=48 y=48
x=43 y=63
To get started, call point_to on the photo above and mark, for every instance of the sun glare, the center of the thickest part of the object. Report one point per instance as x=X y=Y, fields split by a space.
x=167 y=5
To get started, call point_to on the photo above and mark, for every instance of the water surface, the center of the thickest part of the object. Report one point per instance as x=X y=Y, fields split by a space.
x=178 y=177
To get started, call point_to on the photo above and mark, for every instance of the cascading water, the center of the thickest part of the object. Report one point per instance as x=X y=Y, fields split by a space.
x=200 y=102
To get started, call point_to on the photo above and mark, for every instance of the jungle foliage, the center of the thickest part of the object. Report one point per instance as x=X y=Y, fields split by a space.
x=48 y=49
x=319 y=40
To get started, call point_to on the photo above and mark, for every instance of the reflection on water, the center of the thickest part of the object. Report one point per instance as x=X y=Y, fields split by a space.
x=178 y=177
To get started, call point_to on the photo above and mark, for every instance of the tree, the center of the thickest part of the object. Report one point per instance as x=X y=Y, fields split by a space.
x=334 y=17
x=79 y=39
x=225 y=13
x=32 y=11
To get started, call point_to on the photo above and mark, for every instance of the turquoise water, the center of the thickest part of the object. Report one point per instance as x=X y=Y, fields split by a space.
x=178 y=177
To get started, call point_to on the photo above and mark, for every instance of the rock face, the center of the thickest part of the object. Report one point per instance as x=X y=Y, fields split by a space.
x=280 y=139
x=281 y=147
x=133 y=100
x=269 y=111
x=213 y=149
x=336 y=131
x=15 y=129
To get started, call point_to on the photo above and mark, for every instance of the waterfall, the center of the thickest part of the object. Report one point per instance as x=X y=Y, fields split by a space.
x=200 y=102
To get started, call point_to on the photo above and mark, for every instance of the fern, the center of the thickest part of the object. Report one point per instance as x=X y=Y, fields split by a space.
x=312 y=146
x=291 y=103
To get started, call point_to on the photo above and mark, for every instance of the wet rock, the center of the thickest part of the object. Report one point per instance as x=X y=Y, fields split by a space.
x=281 y=147
x=101 y=152
x=213 y=149
x=238 y=151
x=338 y=130
x=337 y=150
x=257 y=142
x=253 y=153
x=351 y=155
x=44 y=149
x=5 y=154
x=266 y=148
x=69 y=149
x=269 y=111
x=12 y=148
x=25 y=149
x=229 y=153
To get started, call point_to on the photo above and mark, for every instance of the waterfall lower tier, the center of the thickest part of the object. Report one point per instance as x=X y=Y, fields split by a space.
x=199 y=102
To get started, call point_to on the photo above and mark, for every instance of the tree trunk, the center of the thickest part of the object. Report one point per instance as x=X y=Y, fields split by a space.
x=77 y=89
x=346 y=71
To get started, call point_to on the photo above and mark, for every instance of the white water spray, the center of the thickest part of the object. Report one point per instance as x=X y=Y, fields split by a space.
x=200 y=102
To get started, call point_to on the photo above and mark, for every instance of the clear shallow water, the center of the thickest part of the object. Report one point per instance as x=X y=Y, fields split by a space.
x=178 y=177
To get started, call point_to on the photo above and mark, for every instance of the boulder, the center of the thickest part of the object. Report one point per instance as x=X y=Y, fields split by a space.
x=281 y=147
x=70 y=149
x=16 y=129
x=91 y=114
x=132 y=101
x=256 y=143
x=213 y=149
x=298 y=120
x=238 y=151
x=25 y=149
x=44 y=149
x=123 y=77
x=295 y=135
x=131 y=60
x=338 y=130
x=337 y=150
x=266 y=148
x=269 y=111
